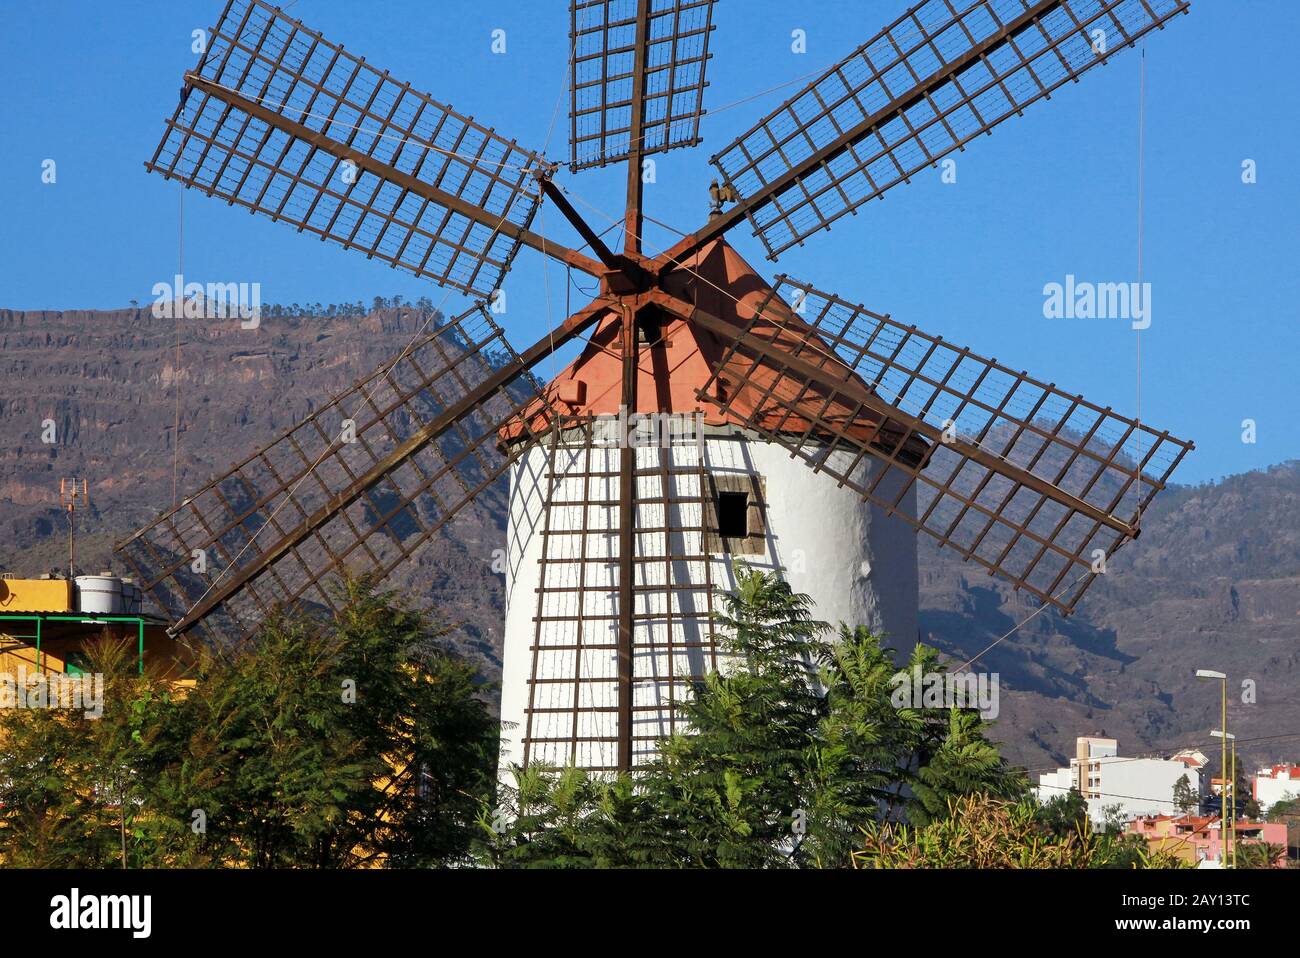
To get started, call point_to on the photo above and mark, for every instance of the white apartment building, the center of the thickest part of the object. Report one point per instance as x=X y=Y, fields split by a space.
x=1139 y=786
x=1274 y=784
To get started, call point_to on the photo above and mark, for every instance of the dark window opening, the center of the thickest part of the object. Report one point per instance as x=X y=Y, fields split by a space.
x=733 y=514
x=650 y=329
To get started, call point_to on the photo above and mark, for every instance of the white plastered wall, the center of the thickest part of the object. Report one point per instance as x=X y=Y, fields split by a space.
x=857 y=563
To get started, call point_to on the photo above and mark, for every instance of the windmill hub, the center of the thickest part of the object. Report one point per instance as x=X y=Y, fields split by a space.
x=631 y=274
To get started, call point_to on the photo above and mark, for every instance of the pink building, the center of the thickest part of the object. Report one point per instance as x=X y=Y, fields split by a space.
x=1197 y=838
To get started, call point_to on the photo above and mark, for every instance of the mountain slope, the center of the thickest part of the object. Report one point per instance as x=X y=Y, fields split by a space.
x=107 y=380
x=1213 y=582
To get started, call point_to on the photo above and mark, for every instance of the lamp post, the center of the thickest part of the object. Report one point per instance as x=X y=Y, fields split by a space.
x=1209 y=675
x=1232 y=821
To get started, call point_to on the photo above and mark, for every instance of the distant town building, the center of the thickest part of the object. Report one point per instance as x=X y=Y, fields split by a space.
x=1197 y=839
x=1131 y=787
x=1275 y=783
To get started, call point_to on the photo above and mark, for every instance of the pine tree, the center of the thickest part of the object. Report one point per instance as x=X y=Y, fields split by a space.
x=787 y=752
x=430 y=740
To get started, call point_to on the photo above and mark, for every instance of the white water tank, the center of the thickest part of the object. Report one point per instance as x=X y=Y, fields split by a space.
x=99 y=594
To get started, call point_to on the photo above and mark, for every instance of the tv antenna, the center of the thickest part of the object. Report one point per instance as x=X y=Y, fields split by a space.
x=69 y=496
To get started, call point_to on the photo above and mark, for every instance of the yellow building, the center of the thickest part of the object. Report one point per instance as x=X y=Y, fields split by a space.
x=43 y=630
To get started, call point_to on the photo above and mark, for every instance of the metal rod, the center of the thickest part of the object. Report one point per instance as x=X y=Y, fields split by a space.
x=627 y=544
x=1232 y=824
x=1225 y=837
x=634 y=220
x=556 y=196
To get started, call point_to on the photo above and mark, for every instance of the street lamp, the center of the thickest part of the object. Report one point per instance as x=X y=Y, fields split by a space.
x=1209 y=675
x=1232 y=821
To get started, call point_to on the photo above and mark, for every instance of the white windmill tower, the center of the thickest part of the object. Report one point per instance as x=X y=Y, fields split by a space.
x=707 y=491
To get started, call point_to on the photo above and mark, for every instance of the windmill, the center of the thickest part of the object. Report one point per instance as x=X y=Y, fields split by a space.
x=710 y=414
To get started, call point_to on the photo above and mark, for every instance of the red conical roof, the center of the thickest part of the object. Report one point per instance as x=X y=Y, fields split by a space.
x=673 y=370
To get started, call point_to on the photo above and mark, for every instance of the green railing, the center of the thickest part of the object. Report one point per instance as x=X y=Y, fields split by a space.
x=86 y=618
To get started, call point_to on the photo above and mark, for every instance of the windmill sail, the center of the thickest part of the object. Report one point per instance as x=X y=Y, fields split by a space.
x=614 y=77
x=357 y=486
x=277 y=119
x=943 y=73
x=1031 y=482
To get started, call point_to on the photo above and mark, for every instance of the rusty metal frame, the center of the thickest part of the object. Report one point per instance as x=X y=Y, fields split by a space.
x=1022 y=477
x=925 y=86
x=626 y=54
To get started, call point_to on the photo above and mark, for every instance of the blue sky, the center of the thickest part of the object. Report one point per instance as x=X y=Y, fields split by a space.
x=1052 y=193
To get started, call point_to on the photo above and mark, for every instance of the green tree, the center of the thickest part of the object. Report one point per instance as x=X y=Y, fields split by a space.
x=726 y=793
x=318 y=743
x=339 y=744
x=565 y=818
x=789 y=749
x=733 y=788
x=429 y=739
x=50 y=813
x=270 y=760
x=1260 y=854
x=1114 y=819
x=1288 y=811
x=1184 y=798
x=74 y=785
x=1064 y=814
x=1244 y=790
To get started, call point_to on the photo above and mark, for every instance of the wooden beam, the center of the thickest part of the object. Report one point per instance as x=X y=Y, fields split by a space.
x=855 y=389
x=720 y=225
x=570 y=328
x=626 y=541
x=634 y=218
x=320 y=141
